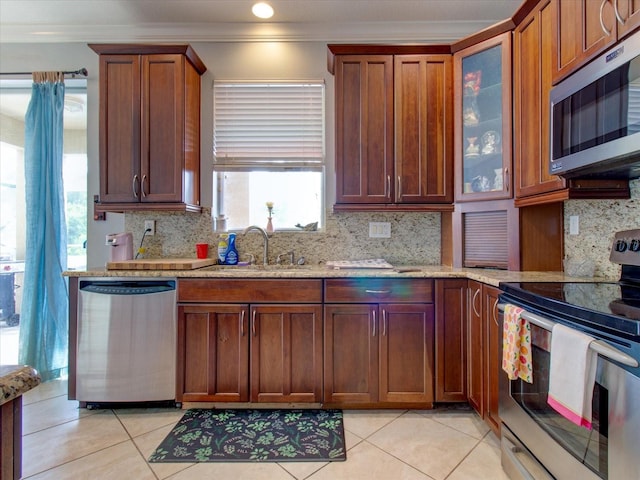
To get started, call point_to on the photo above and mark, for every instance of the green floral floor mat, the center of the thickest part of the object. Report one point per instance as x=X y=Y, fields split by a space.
x=254 y=436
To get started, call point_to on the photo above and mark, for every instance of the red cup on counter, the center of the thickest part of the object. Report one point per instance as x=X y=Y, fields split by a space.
x=202 y=250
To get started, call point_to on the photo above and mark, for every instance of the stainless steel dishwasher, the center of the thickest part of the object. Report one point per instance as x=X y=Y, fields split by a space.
x=126 y=342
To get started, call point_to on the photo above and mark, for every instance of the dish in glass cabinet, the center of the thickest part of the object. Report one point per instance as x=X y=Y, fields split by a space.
x=490 y=142
x=472 y=150
x=480 y=184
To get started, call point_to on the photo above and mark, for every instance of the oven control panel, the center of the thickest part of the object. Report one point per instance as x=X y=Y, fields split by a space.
x=626 y=248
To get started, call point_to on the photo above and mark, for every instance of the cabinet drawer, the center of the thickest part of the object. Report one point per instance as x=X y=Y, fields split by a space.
x=247 y=290
x=378 y=290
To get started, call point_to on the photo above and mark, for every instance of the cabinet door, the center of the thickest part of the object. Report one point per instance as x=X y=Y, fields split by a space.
x=119 y=128
x=213 y=353
x=364 y=128
x=451 y=336
x=494 y=363
x=286 y=353
x=482 y=102
x=532 y=83
x=350 y=354
x=629 y=13
x=476 y=340
x=406 y=335
x=423 y=128
x=162 y=128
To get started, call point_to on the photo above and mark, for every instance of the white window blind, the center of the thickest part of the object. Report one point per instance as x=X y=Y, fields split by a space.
x=269 y=126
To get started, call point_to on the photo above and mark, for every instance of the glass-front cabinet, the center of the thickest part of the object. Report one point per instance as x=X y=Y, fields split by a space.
x=482 y=99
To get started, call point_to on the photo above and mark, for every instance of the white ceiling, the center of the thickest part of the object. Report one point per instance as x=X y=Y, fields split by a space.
x=391 y=21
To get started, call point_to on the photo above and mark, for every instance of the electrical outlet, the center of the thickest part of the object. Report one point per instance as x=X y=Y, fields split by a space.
x=151 y=226
x=379 y=230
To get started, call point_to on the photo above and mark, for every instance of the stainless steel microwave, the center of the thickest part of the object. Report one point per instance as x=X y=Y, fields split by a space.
x=595 y=117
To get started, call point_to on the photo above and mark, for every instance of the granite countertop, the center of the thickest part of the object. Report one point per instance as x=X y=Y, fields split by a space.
x=488 y=276
x=16 y=380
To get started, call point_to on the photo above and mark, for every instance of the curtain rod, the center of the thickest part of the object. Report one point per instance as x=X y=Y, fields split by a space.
x=81 y=71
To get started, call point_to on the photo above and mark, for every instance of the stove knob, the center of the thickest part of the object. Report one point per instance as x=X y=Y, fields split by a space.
x=635 y=245
x=621 y=246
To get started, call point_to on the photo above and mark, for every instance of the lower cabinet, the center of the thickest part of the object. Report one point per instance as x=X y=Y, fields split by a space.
x=451 y=340
x=378 y=342
x=484 y=363
x=257 y=352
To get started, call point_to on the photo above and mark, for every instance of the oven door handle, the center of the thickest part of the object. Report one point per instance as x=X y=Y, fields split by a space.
x=511 y=450
x=603 y=348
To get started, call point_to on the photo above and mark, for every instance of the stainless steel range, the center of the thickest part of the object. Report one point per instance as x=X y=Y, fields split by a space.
x=537 y=442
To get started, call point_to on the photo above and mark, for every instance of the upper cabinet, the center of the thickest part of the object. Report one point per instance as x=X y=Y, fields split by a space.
x=584 y=28
x=532 y=83
x=482 y=102
x=149 y=127
x=533 y=61
x=393 y=127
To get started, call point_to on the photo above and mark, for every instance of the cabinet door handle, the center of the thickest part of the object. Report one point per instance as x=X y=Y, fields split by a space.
x=494 y=311
x=144 y=179
x=384 y=322
x=473 y=303
x=374 y=323
x=242 y=323
x=506 y=179
x=253 y=323
x=606 y=31
x=621 y=20
x=133 y=186
x=388 y=186
x=399 y=193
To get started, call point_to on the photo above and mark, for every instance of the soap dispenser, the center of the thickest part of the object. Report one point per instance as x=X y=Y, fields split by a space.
x=231 y=258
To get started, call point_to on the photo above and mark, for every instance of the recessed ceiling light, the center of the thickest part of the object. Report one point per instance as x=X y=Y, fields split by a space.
x=262 y=10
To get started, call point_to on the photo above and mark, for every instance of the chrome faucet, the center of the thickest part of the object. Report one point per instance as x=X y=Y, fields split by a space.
x=265 y=247
x=288 y=254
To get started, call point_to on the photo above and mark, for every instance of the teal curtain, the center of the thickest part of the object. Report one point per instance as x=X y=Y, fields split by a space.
x=44 y=323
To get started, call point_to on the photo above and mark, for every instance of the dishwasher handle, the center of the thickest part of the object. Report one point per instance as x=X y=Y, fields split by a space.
x=127 y=287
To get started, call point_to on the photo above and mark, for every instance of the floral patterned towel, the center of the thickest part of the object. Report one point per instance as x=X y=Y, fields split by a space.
x=516 y=345
x=254 y=436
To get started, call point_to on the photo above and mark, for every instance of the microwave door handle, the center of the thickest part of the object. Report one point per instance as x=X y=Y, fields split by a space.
x=603 y=348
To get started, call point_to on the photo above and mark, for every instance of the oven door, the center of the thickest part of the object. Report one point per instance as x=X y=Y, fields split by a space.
x=609 y=451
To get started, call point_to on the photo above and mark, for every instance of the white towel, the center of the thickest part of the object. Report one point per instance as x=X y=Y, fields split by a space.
x=572 y=374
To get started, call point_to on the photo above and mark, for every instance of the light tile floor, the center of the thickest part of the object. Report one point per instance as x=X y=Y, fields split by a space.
x=61 y=441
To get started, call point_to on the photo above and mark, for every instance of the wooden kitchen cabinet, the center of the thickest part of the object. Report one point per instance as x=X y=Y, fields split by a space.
x=451 y=340
x=482 y=120
x=393 y=127
x=378 y=342
x=364 y=129
x=533 y=66
x=423 y=91
x=286 y=353
x=267 y=347
x=149 y=127
x=213 y=353
x=484 y=362
x=584 y=28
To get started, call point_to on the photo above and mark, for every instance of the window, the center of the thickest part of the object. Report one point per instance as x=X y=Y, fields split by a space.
x=268 y=147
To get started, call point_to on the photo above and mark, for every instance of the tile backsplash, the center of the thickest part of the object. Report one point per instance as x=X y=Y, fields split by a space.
x=415 y=237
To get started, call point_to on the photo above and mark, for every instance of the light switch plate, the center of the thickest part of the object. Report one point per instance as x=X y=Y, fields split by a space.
x=574 y=225
x=379 y=230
